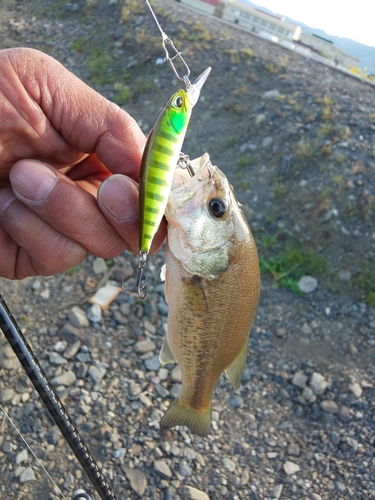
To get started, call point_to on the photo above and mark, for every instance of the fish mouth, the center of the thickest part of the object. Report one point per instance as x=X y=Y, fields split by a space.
x=194 y=89
x=185 y=178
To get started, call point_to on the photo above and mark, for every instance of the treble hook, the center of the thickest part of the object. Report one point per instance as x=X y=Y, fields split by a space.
x=139 y=286
x=167 y=40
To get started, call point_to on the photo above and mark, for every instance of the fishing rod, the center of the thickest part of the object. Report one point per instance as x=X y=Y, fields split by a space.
x=34 y=371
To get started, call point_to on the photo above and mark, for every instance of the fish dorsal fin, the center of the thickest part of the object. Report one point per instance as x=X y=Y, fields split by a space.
x=235 y=370
x=166 y=355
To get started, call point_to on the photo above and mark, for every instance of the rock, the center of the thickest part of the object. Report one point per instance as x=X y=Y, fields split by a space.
x=162 y=468
x=260 y=118
x=153 y=364
x=300 y=380
x=22 y=456
x=68 y=481
x=56 y=359
x=105 y=295
x=290 y=468
x=72 y=350
x=119 y=453
x=267 y=142
x=99 y=266
x=176 y=374
x=329 y=406
x=271 y=94
x=137 y=479
x=335 y=438
x=309 y=395
x=176 y=390
x=307 y=284
x=27 y=475
x=318 y=383
x=149 y=327
x=294 y=449
x=78 y=317
x=356 y=389
x=163 y=373
x=315 y=496
x=191 y=493
x=277 y=491
x=185 y=470
x=344 y=414
x=7 y=447
x=306 y=329
x=97 y=373
x=235 y=401
x=143 y=346
x=68 y=378
x=7 y=395
x=94 y=314
x=8 y=360
x=229 y=464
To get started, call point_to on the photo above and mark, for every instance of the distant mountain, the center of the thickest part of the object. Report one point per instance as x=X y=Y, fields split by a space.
x=364 y=53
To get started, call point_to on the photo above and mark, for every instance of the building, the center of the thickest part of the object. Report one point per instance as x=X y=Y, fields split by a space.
x=276 y=29
x=327 y=49
x=212 y=7
x=260 y=22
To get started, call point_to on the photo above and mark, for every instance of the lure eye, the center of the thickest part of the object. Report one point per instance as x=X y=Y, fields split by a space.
x=217 y=207
x=178 y=102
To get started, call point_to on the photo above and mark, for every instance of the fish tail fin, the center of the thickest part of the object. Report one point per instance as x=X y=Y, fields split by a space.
x=198 y=421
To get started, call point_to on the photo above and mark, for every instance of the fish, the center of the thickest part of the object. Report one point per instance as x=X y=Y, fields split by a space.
x=160 y=158
x=212 y=286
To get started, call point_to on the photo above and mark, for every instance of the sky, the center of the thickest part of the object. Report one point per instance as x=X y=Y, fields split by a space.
x=355 y=19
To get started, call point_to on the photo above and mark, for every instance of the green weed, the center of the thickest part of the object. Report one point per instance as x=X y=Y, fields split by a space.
x=99 y=63
x=306 y=148
x=80 y=44
x=365 y=280
x=73 y=270
x=288 y=265
x=123 y=93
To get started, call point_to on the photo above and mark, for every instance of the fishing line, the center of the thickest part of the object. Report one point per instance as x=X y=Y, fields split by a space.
x=31 y=451
x=177 y=53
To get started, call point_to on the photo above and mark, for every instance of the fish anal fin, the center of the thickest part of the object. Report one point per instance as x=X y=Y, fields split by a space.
x=166 y=355
x=235 y=370
x=198 y=421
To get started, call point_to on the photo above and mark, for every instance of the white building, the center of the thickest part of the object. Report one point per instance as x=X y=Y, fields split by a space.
x=212 y=7
x=257 y=21
x=327 y=49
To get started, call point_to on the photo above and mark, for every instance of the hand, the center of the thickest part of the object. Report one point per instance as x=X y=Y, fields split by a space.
x=60 y=143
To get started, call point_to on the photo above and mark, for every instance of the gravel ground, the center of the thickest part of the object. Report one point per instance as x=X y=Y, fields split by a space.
x=301 y=159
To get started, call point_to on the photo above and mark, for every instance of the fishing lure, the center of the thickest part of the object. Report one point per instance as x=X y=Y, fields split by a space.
x=161 y=155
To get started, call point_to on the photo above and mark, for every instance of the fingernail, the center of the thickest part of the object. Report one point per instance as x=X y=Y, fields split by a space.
x=119 y=196
x=33 y=180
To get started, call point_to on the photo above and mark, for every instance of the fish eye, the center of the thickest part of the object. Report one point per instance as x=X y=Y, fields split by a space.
x=217 y=207
x=178 y=102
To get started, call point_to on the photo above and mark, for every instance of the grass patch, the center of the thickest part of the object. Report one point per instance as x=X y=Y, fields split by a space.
x=123 y=93
x=73 y=270
x=288 y=263
x=365 y=280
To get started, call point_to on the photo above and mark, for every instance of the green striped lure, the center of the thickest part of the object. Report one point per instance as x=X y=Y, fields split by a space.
x=161 y=155
x=160 y=159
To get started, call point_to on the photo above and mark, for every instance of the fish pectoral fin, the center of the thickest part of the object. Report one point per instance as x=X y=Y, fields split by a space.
x=166 y=355
x=235 y=370
x=198 y=421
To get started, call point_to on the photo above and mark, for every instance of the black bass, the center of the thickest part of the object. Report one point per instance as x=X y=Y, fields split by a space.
x=212 y=284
